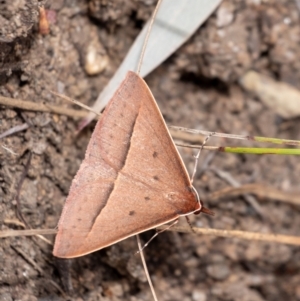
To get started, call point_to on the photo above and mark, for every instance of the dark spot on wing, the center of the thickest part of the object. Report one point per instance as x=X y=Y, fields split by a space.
x=155 y=154
x=156 y=178
x=171 y=195
x=146 y=198
x=131 y=212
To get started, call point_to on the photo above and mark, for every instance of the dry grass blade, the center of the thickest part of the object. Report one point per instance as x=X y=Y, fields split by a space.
x=262 y=191
x=28 y=232
x=145 y=267
x=41 y=107
x=15 y=129
x=8 y=150
x=278 y=238
x=76 y=102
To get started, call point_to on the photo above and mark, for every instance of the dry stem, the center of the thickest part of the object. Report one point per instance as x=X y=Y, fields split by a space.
x=278 y=238
x=262 y=191
x=41 y=107
x=284 y=239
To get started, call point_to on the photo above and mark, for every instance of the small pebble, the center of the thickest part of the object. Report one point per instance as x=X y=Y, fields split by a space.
x=218 y=271
x=225 y=14
x=95 y=58
x=199 y=295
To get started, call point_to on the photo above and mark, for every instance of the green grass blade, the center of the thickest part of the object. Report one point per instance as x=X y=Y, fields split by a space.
x=259 y=151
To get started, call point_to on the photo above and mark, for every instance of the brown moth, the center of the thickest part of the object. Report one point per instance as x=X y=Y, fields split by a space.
x=132 y=178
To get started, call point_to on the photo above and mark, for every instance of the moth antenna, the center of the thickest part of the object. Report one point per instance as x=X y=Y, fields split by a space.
x=156 y=234
x=198 y=155
x=202 y=208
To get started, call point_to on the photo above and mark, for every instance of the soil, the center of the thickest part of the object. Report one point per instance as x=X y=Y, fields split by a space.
x=198 y=87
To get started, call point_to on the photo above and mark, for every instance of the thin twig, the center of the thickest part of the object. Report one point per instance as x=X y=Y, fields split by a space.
x=35 y=265
x=9 y=150
x=249 y=198
x=76 y=102
x=15 y=129
x=41 y=107
x=240 y=137
x=294 y=240
x=27 y=232
x=205 y=133
x=145 y=267
x=285 y=239
x=147 y=37
x=28 y=259
x=206 y=147
x=20 y=224
x=14 y=222
x=184 y=136
x=262 y=191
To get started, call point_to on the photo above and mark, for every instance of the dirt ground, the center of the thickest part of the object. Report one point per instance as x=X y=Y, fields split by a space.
x=198 y=87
